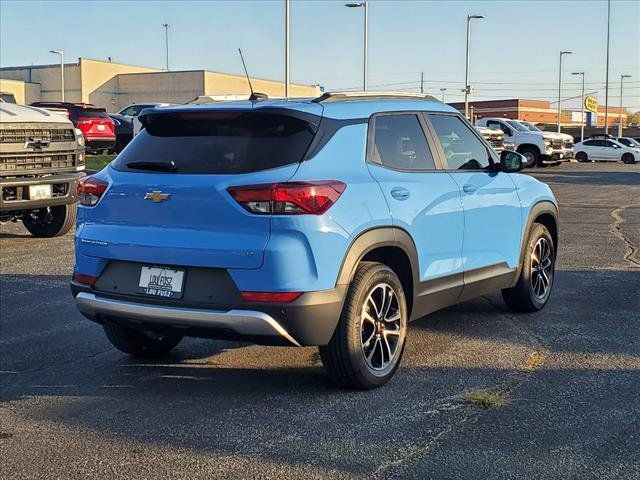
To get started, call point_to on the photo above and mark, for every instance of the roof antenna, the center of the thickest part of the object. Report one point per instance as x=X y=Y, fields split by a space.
x=254 y=96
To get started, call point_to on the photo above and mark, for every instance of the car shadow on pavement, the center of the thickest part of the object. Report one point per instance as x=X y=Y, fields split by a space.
x=632 y=177
x=275 y=404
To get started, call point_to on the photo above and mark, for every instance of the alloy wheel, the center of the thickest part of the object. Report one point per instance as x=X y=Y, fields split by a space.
x=541 y=268
x=380 y=327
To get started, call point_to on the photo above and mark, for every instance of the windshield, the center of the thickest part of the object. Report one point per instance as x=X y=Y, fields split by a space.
x=629 y=142
x=220 y=142
x=518 y=126
x=531 y=126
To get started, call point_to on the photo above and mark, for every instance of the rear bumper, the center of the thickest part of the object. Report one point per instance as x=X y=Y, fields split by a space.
x=20 y=187
x=310 y=320
x=98 y=143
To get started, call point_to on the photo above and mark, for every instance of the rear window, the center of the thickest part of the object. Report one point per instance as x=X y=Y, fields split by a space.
x=91 y=113
x=217 y=142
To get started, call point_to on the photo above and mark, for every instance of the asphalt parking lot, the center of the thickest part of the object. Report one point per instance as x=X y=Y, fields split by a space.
x=71 y=406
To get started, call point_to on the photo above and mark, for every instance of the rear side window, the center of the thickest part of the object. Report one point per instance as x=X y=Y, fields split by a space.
x=218 y=142
x=399 y=143
x=591 y=143
x=462 y=148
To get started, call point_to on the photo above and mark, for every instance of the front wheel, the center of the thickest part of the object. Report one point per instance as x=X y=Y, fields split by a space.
x=139 y=343
x=582 y=157
x=368 y=342
x=50 y=221
x=628 y=158
x=537 y=273
x=532 y=155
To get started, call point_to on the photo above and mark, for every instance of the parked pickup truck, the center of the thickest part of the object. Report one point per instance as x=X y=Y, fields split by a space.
x=494 y=137
x=538 y=147
x=41 y=160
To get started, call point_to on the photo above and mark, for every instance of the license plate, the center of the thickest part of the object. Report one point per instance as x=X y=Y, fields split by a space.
x=161 y=282
x=38 y=192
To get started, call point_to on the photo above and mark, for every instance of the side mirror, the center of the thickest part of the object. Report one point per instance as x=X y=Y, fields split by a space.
x=511 y=162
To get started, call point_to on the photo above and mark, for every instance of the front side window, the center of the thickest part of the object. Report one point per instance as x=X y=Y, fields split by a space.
x=518 y=126
x=462 y=149
x=399 y=143
x=609 y=144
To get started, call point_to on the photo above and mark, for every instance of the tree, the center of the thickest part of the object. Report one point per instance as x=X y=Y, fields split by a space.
x=634 y=118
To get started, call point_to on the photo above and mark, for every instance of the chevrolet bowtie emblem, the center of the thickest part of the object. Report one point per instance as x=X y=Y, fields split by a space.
x=156 y=196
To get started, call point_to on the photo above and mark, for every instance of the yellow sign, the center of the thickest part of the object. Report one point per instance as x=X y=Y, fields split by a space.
x=591 y=104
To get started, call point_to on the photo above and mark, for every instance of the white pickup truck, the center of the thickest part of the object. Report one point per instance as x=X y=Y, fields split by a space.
x=538 y=147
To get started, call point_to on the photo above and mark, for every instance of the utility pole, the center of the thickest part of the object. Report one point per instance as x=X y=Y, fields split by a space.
x=443 y=90
x=421 y=82
x=606 y=83
x=166 y=44
x=581 y=106
x=622 y=77
x=566 y=52
x=364 y=5
x=286 y=48
x=467 y=87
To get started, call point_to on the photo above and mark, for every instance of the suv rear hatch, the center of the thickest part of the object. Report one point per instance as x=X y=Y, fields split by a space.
x=168 y=203
x=94 y=123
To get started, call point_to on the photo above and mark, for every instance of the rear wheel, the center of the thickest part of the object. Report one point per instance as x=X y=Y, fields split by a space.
x=537 y=273
x=628 y=158
x=50 y=221
x=139 y=343
x=368 y=342
x=532 y=155
x=582 y=157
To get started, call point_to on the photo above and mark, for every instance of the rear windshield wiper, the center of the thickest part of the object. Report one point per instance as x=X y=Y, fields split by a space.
x=156 y=166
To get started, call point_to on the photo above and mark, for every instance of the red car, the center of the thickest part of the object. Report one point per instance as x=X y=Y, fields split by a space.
x=97 y=127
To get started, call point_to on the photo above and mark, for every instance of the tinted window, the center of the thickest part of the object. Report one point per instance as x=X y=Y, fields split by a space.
x=91 y=113
x=462 y=148
x=400 y=143
x=591 y=143
x=626 y=141
x=499 y=126
x=608 y=143
x=218 y=142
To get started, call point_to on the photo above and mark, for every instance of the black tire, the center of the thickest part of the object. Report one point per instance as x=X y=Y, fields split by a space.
x=350 y=360
x=532 y=154
x=582 y=157
x=628 y=158
x=138 y=343
x=51 y=221
x=525 y=295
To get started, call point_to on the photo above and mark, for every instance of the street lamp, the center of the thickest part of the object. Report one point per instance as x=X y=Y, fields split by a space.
x=61 y=53
x=622 y=77
x=365 y=5
x=467 y=87
x=443 y=90
x=166 y=44
x=286 y=48
x=564 y=52
x=581 y=106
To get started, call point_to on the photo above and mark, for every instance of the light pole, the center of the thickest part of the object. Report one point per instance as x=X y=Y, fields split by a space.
x=286 y=48
x=166 y=44
x=622 y=77
x=467 y=87
x=564 y=52
x=606 y=82
x=365 y=5
x=581 y=106
x=443 y=90
x=61 y=53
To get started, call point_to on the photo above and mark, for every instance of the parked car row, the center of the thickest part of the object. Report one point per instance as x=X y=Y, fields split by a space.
x=607 y=148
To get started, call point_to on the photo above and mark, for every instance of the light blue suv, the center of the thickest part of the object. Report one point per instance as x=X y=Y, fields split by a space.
x=331 y=221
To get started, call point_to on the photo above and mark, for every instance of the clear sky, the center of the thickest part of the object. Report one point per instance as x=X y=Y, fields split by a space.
x=514 y=50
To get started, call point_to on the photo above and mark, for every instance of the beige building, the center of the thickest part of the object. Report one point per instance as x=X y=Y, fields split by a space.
x=114 y=85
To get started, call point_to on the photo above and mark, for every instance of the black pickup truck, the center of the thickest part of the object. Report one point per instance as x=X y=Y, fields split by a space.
x=41 y=161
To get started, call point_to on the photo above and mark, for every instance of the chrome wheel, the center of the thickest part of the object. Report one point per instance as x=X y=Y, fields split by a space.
x=380 y=327
x=541 y=268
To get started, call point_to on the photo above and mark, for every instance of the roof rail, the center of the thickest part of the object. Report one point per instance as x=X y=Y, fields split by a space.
x=372 y=95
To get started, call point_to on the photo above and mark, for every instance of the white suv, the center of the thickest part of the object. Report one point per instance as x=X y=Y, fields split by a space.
x=605 y=150
x=537 y=146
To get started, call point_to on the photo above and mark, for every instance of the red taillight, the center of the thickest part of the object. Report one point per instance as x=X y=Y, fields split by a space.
x=279 y=297
x=291 y=198
x=90 y=190
x=86 y=279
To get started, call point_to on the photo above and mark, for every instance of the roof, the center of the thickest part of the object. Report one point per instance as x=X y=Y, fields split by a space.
x=340 y=107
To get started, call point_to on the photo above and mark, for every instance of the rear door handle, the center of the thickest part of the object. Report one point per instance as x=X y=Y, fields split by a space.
x=399 y=193
x=469 y=188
